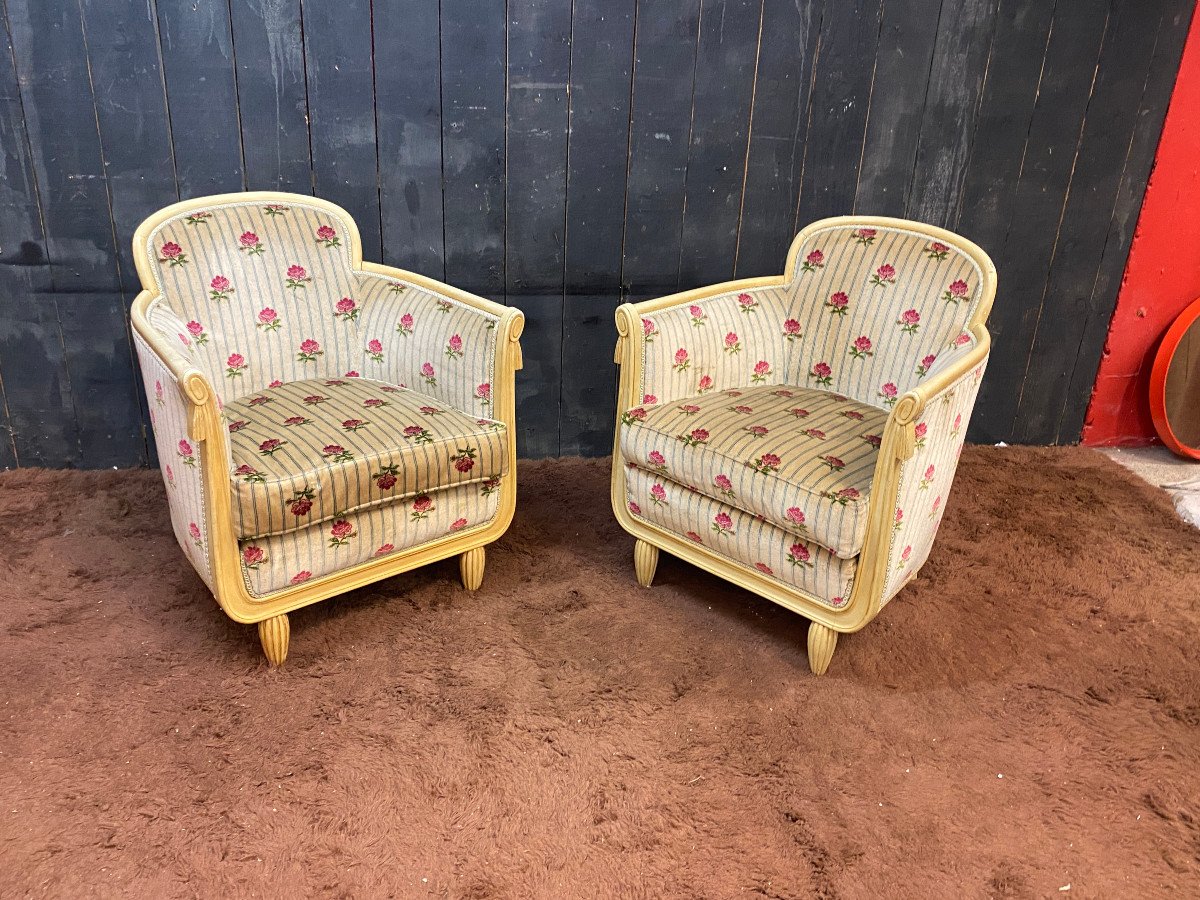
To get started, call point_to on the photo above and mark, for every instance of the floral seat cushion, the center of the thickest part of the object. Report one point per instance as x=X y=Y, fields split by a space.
x=304 y=452
x=801 y=458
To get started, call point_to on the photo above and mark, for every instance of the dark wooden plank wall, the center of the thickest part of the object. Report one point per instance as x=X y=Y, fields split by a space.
x=565 y=155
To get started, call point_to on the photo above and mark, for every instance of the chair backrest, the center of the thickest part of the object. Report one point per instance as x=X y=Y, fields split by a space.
x=264 y=283
x=879 y=301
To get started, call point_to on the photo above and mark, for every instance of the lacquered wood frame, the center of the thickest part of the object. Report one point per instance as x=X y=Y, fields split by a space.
x=898 y=445
x=206 y=429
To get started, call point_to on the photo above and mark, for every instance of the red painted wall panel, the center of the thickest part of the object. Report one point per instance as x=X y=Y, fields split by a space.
x=1162 y=276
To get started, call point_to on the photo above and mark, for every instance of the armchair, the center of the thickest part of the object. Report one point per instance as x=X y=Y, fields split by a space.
x=321 y=422
x=798 y=435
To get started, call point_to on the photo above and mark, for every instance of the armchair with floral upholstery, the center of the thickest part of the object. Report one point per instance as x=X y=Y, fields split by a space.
x=321 y=422
x=798 y=435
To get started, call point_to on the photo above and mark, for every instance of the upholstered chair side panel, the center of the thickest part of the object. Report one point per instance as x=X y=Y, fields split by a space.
x=266 y=292
x=926 y=477
x=178 y=344
x=729 y=340
x=273 y=563
x=179 y=459
x=428 y=342
x=877 y=307
x=740 y=537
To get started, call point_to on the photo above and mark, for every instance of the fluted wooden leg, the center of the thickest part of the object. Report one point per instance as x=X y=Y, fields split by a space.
x=470 y=567
x=275 y=633
x=821 y=641
x=645 y=561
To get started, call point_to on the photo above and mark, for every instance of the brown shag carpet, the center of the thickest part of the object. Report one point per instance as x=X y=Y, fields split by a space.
x=1024 y=717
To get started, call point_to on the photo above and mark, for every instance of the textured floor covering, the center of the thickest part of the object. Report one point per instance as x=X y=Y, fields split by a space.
x=1025 y=716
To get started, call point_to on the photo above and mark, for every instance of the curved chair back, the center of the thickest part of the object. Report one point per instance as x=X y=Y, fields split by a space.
x=263 y=290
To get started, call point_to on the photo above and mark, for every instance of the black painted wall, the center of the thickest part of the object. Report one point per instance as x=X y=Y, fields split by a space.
x=563 y=155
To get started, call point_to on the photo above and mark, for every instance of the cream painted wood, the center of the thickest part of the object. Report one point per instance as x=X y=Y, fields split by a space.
x=821 y=643
x=208 y=432
x=275 y=634
x=645 y=562
x=898 y=445
x=470 y=567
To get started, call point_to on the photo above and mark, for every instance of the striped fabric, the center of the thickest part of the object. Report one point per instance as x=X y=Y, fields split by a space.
x=309 y=451
x=802 y=459
x=767 y=406
x=740 y=537
x=926 y=477
x=433 y=344
x=253 y=283
x=727 y=341
x=267 y=294
x=279 y=561
x=179 y=458
x=907 y=300
x=867 y=314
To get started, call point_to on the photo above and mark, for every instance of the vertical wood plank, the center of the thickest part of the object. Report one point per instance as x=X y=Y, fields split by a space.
x=104 y=385
x=122 y=42
x=539 y=383
x=1040 y=198
x=538 y=66
x=408 y=107
x=902 y=66
x=8 y=449
x=955 y=80
x=841 y=95
x=40 y=411
x=61 y=118
x=1070 y=304
x=589 y=393
x=597 y=162
x=601 y=79
x=198 y=64
x=1149 y=117
x=539 y=34
x=1002 y=125
x=272 y=95
x=38 y=421
x=786 y=59
x=341 y=110
x=726 y=62
x=131 y=114
x=663 y=78
x=473 y=143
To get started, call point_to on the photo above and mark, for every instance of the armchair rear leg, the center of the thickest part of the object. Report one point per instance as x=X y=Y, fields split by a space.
x=821 y=641
x=470 y=567
x=275 y=634
x=645 y=561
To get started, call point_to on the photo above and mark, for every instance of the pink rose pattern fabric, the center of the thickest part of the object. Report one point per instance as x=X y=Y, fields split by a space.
x=279 y=561
x=261 y=296
x=741 y=537
x=179 y=457
x=801 y=458
x=276 y=299
x=868 y=314
x=311 y=451
x=422 y=332
x=926 y=478
x=895 y=292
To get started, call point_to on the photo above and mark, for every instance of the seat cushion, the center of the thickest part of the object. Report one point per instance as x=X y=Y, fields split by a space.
x=274 y=562
x=741 y=537
x=308 y=451
x=803 y=459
